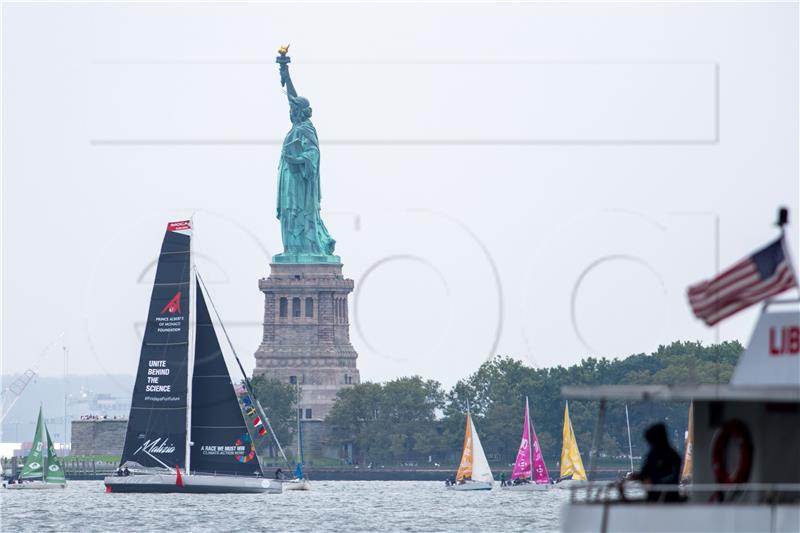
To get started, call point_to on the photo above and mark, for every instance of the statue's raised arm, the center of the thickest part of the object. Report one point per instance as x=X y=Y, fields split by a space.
x=283 y=60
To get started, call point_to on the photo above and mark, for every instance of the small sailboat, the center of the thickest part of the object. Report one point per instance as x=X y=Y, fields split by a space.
x=42 y=468
x=630 y=444
x=187 y=430
x=530 y=471
x=299 y=482
x=473 y=470
x=687 y=470
x=572 y=472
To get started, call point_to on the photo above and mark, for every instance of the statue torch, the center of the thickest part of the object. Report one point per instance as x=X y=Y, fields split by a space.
x=283 y=60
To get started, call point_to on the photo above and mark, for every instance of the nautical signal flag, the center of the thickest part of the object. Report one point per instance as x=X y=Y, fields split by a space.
x=246 y=401
x=753 y=279
x=262 y=431
x=250 y=410
x=257 y=422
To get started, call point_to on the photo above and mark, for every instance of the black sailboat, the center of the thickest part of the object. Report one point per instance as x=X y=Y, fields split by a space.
x=186 y=431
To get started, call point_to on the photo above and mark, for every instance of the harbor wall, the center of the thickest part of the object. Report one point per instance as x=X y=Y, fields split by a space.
x=98 y=436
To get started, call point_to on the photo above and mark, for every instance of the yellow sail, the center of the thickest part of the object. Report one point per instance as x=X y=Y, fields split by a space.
x=688 y=467
x=465 y=466
x=571 y=463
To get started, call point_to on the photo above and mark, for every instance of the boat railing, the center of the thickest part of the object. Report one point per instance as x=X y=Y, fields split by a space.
x=633 y=492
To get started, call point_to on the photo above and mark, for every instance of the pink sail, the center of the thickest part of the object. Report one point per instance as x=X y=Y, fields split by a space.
x=539 y=468
x=526 y=455
x=522 y=466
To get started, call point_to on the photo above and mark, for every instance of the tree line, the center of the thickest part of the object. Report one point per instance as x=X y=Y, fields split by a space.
x=412 y=419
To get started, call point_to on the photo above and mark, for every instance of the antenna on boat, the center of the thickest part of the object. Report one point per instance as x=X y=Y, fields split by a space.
x=247 y=383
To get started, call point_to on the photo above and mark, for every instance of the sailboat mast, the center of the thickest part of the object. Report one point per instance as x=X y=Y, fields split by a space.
x=530 y=444
x=297 y=412
x=191 y=346
x=66 y=397
x=44 y=451
x=630 y=446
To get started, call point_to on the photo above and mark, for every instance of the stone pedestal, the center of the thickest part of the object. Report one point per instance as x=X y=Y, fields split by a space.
x=307 y=333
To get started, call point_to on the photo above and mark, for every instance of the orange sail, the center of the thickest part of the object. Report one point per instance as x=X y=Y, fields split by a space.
x=688 y=467
x=465 y=466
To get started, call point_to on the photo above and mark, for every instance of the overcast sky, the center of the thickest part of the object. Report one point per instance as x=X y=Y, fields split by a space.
x=536 y=180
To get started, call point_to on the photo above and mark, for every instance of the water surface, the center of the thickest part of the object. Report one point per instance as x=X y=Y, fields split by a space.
x=331 y=506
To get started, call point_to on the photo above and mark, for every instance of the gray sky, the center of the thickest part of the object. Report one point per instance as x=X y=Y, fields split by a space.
x=477 y=162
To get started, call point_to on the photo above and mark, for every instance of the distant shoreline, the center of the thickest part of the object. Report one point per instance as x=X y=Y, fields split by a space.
x=374 y=474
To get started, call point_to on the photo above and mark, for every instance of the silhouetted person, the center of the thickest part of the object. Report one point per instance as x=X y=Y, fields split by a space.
x=279 y=474
x=662 y=466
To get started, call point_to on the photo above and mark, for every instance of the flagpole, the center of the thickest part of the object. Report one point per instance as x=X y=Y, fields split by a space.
x=716 y=273
x=716 y=328
x=783 y=219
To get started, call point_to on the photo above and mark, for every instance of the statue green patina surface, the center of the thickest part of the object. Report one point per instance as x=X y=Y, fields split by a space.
x=305 y=237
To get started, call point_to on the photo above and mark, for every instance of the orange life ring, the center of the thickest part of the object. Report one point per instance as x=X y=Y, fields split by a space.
x=732 y=429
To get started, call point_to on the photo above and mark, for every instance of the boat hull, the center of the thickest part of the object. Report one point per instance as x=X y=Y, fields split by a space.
x=35 y=485
x=192 y=483
x=296 y=484
x=527 y=487
x=472 y=485
x=571 y=483
x=679 y=518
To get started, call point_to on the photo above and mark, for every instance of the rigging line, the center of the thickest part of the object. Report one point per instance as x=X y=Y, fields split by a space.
x=241 y=368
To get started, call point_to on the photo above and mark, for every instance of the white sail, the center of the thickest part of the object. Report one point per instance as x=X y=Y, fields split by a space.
x=480 y=466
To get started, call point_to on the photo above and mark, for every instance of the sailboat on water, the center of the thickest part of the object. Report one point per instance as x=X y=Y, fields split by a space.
x=187 y=430
x=473 y=470
x=687 y=470
x=530 y=471
x=299 y=482
x=572 y=471
x=630 y=444
x=42 y=468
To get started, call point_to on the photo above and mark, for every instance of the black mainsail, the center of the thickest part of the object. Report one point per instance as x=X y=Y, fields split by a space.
x=157 y=428
x=221 y=441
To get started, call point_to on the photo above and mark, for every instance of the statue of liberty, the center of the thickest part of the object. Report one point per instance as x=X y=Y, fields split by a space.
x=305 y=237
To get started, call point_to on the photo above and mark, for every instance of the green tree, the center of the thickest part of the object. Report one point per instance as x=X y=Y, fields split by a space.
x=393 y=422
x=408 y=412
x=497 y=391
x=397 y=421
x=353 y=420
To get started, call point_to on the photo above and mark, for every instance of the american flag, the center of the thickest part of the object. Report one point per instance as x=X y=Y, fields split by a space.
x=753 y=279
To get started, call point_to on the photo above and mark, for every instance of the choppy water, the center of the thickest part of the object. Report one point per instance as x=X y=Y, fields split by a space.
x=330 y=506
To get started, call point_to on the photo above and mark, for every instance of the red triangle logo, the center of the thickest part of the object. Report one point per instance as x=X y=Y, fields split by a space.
x=174 y=305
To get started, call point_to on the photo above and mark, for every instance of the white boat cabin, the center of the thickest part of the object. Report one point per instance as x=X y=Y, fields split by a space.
x=746 y=449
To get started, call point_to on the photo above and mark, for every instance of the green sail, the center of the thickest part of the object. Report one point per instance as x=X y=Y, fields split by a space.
x=34 y=464
x=54 y=472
